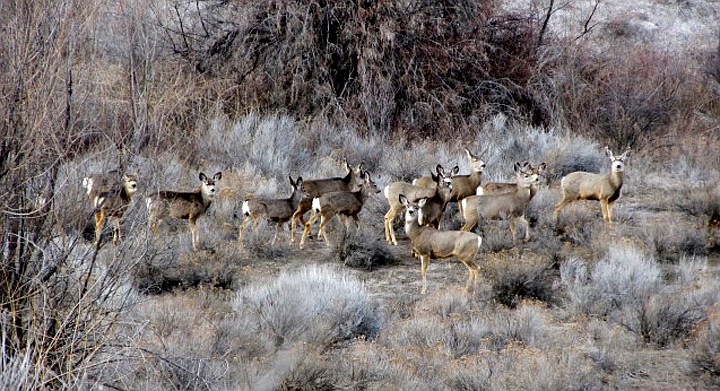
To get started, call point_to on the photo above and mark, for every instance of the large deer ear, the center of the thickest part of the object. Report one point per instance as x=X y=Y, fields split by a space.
x=517 y=167
x=217 y=176
x=625 y=154
x=609 y=153
x=203 y=177
x=440 y=170
x=542 y=167
x=455 y=170
x=469 y=154
x=422 y=202
x=299 y=182
x=403 y=199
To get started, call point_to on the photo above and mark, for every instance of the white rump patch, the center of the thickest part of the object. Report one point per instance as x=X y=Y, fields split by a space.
x=98 y=201
x=479 y=241
x=246 y=208
x=386 y=192
x=478 y=191
x=464 y=203
x=414 y=182
x=316 y=204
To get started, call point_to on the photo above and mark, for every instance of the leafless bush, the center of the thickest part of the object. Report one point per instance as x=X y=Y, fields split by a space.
x=627 y=288
x=671 y=242
x=359 y=249
x=336 y=303
x=514 y=278
x=706 y=351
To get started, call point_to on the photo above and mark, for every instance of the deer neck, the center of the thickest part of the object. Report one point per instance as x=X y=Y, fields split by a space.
x=411 y=228
x=205 y=198
x=616 y=178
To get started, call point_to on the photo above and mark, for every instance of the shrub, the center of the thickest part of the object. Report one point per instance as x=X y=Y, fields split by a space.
x=359 y=249
x=514 y=278
x=334 y=302
x=627 y=288
x=705 y=361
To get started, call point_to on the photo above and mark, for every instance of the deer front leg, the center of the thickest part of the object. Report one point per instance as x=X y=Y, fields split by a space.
x=424 y=263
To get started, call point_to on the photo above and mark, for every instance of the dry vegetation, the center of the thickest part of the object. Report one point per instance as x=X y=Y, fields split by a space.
x=263 y=90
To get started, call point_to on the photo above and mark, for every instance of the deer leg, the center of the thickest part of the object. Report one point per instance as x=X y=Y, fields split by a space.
x=513 y=231
x=193 y=233
x=117 y=233
x=424 y=263
x=470 y=223
x=389 y=231
x=299 y=214
x=604 y=210
x=277 y=229
x=609 y=208
x=526 y=224
x=99 y=222
x=242 y=227
x=322 y=231
x=306 y=230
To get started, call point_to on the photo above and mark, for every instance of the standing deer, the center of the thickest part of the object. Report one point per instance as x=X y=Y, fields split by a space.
x=279 y=210
x=188 y=206
x=605 y=188
x=429 y=181
x=343 y=203
x=413 y=193
x=505 y=187
x=510 y=206
x=113 y=203
x=466 y=185
x=314 y=188
x=429 y=243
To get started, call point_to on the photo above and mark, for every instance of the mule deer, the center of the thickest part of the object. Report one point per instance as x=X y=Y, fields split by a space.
x=429 y=181
x=113 y=203
x=510 y=206
x=279 y=210
x=505 y=187
x=466 y=185
x=429 y=243
x=413 y=193
x=344 y=203
x=188 y=206
x=314 y=188
x=605 y=188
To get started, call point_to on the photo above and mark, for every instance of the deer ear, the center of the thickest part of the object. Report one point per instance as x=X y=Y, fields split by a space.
x=203 y=177
x=403 y=200
x=469 y=154
x=542 y=167
x=440 y=170
x=517 y=167
x=608 y=152
x=422 y=202
x=217 y=176
x=455 y=170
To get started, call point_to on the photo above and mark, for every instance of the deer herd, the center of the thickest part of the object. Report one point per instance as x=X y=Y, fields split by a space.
x=423 y=201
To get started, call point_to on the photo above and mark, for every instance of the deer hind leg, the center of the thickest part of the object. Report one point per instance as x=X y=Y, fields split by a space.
x=472 y=273
x=299 y=214
x=322 y=232
x=388 y=221
x=242 y=227
x=470 y=222
x=306 y=229
x=513 y=230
